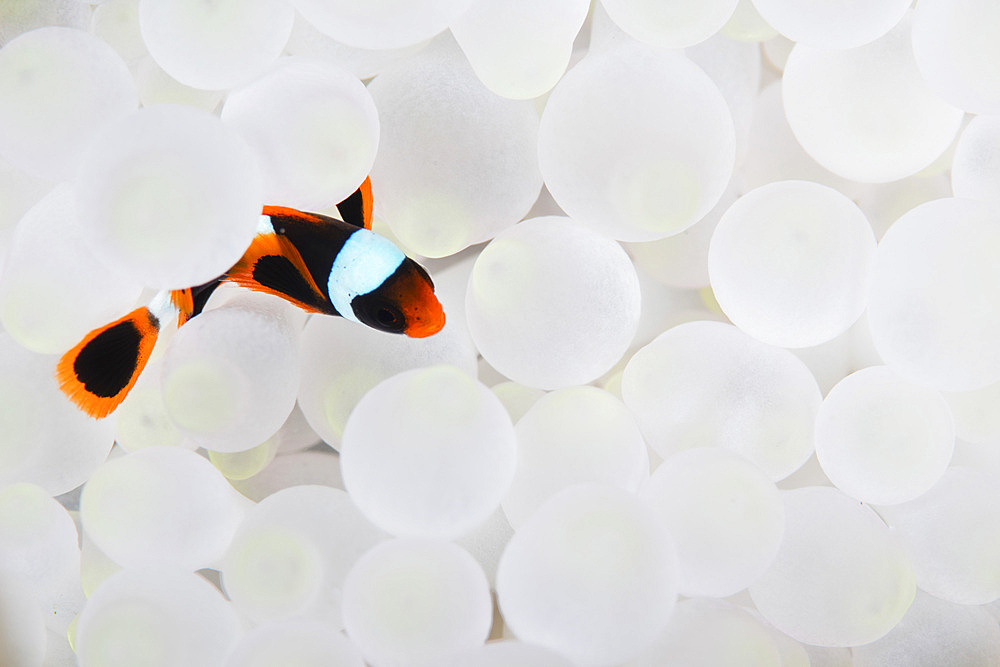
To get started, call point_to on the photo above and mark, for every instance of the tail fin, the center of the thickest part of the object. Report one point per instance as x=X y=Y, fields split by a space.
x=99 y=372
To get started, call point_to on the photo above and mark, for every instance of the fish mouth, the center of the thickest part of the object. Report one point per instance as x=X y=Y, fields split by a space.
x=424 y=324
x=413 y=291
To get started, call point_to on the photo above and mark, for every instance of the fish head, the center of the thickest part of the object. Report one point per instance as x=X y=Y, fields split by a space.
x=403 y=303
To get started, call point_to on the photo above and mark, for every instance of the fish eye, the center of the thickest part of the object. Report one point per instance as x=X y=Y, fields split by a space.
x=386 y=317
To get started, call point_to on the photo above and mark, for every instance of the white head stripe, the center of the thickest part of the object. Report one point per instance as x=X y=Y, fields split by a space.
x=364 y=263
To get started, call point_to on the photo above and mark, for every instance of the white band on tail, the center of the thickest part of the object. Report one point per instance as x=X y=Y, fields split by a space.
x=364 y=263
x=162 y=308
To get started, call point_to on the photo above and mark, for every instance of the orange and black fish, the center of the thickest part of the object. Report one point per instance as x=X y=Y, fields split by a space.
x=320 y=264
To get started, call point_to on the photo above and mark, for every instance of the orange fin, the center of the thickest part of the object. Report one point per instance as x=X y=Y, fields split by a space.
x=272 y=265
x=357 y=209
x=183 y=299
x=295 y=214
x=99 y=372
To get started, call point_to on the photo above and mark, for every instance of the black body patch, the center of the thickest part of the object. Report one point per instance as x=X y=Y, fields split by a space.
x=317 y=244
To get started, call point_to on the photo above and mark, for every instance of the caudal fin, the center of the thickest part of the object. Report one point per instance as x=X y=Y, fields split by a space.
x=99 y=372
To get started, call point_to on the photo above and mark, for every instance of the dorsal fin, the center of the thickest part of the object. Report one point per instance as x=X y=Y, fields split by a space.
x=357 y=209
x=294 y=214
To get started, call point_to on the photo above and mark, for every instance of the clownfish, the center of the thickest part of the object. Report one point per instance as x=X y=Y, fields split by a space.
x=317 y=263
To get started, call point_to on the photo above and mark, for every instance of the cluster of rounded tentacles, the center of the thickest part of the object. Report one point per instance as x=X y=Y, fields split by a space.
x=719 y=383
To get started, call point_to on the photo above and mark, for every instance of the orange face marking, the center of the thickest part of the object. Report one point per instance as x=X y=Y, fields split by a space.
x=421 y=308
x=424 y=323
